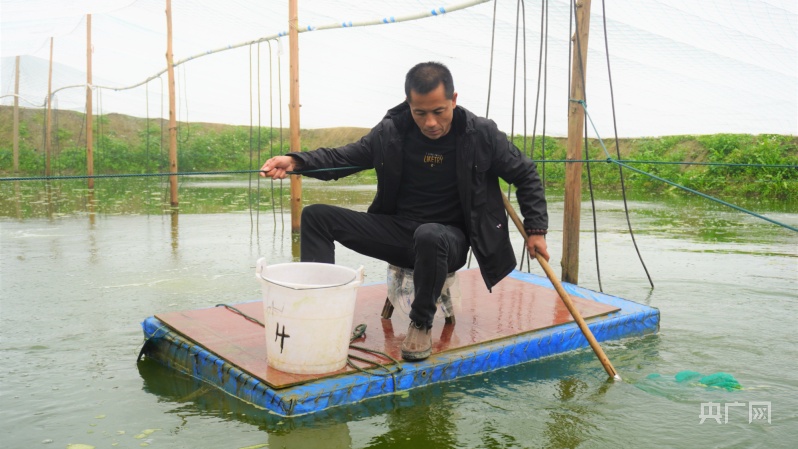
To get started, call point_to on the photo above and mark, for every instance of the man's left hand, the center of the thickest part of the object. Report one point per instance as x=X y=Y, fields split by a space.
x=536 y=244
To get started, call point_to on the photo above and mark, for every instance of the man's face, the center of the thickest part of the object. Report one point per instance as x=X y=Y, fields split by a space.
x=432 y=111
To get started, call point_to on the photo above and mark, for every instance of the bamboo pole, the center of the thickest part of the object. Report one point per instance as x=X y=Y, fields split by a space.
x=172 y=108
x=566 y=299
x=16 y=116
x=573 y=170
x=296 y=180
x=89 y=110
x=48 y=119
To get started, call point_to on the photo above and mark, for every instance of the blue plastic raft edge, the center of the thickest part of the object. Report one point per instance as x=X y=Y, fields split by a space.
x=170 y=349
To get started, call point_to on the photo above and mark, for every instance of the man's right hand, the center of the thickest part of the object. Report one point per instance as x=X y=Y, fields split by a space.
x=277 y=167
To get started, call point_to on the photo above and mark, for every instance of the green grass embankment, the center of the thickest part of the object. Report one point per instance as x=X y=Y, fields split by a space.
x=124 y=144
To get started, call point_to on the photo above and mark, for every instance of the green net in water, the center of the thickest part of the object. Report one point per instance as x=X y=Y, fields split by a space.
x=686 y=376
x=674 y=387
x=721 y=380
x=715 y=380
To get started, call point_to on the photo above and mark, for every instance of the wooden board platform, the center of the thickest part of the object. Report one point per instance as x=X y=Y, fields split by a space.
x=514 y=307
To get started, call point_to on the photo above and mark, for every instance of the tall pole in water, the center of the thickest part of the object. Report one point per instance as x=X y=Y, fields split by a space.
x=573 y=170
x=89 y=110
x=49 y=122
x=172 y=108
x=293 y=42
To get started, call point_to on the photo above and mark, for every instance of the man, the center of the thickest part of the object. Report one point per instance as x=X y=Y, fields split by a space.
x=438 y=167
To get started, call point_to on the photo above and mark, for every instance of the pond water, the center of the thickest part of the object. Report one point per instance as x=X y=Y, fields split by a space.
x=80 y=270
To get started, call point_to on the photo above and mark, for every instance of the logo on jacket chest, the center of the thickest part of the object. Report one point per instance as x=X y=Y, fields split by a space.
x=433 y=159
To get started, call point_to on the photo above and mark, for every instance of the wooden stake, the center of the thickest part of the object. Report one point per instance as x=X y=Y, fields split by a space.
x=16 y=117
x=573 y=170
x=172 y=108
x=296 y=180
x=89 y=110
x=566 y=299
x=48 y=119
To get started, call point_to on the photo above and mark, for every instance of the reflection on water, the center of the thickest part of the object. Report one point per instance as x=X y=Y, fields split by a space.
x=118 y=196
x=676 y=216
x=175 y=216
x=80 y=269
x=148 y=196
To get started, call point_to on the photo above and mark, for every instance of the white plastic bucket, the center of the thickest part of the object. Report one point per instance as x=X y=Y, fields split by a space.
x=309 y=308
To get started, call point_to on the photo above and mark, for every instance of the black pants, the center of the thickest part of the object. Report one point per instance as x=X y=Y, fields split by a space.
x=432 y=250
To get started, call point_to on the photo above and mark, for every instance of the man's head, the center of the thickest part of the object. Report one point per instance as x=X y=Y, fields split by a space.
x=430 y=93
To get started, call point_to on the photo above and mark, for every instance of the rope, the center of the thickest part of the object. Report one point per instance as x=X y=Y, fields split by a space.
x=238 y=312
x=618 y=149
x=147 y=130
x=545 y=100
x=490 y=88
x=520 y=13
x=249 y=191
x=360 y=331
x=99 y=147
x=490 y=72
x=609 y=159
x=704 y=195
x=686 y=189
x=181 y=72
x=282 y=141
x=148 y=343
x=257 y=191
x=542 y=63
x=515 y=72
x=56 y=146
x=593 y=210
x=271 y=127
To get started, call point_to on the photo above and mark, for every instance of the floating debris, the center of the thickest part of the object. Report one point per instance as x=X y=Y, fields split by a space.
x=145 y=433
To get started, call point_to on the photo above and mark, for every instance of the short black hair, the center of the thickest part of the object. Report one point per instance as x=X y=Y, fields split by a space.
x=426 y=76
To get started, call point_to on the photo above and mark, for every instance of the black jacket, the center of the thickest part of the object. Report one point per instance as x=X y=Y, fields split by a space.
x=483 y=155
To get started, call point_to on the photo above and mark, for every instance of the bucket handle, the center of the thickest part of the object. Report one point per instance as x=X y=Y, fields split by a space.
x=261 y=264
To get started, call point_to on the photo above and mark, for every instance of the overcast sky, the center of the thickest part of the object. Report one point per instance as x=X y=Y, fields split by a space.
x=677 y=66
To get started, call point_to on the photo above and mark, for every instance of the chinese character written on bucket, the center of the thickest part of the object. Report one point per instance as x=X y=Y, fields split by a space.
x=757 y=411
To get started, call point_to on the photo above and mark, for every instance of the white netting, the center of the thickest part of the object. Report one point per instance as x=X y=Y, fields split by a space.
x=678 y=67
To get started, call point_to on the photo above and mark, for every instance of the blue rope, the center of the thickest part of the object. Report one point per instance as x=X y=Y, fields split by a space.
x=234 y=172
x=635 y=161
x=145 y=175
x=686 y=189
x=704 y=195
x=717 y=164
